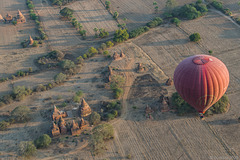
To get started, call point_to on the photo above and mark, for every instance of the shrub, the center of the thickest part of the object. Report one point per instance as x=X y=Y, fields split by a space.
x=14 y=23
x=76 y=99
x=155 y=22
x=118 y=93
x=4 y=125
x=182 y=106
x=30 y=6
x=121 y=35
x=138 y=31
x=110 y=117
x=19 y=92
x=85 y=56
x=103 y=33
x=93 y=50
x=35 y=44
x=67 y=64
x=21 y=114
x=105 y=53
x=66 y=12
x=103 y=46
x=221 y=105
x=176 y=21
x=189 y=12
x=43 y=141
x=59 y=78
x=80 y=60
x=107 y=3
x=40 y=88
x=94 y=118
x=117 y=82
x=7 y=99
x=79 y=93
x=115 y=15
x=195 y=37
x=27 y=149
x=109 y=44
x=105 y=130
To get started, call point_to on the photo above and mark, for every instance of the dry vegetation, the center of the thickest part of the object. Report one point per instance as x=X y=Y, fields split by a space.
x=165 y=135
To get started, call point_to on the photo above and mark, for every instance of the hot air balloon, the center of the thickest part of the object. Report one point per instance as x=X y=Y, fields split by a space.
x=201 y=80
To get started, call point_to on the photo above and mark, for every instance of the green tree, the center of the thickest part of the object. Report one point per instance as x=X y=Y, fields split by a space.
x=76 y=99
x=27 y=149
x=109 y=44
x=14 y=23
x=59 y=78
x=95 y=118
x=43 y=141
x=107 y=3
x=189 y=12
x=21 y=114
x=121 y=35
x=115 y=15
x=96 y=30
x=176 y=21
x=67 y=64
x=19 y=92
x=195 y=37
x=106 y=130
x=66 y=12
x=35 y=44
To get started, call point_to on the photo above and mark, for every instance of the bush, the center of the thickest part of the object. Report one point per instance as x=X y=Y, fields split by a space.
x=43 y=141
x=80 y=60
x=35 y=44
x=94 y=118
x=19 y=92
x=138 y=31
x=182 y=106
x=66 y=12
x=115 y=15
x=56 y=54
x=67 y=64
x=155 y=22
x=221 y=105
x=103 y=33
x=21 y=114
x=27 y=149
x=103 y=46
x=105 y=130
x=109 y=44
x=176 y=21
x=40 y=88
x=195 y=37
x=30 y=6
x=4 y=125
x=14 y=23
x=105 y=53
x=121 y=35
x=76 y=99
x=110 y=117
x=118 y=93
x=79 y=93
x=117 y=82
x=189 y=12
x=59 y=78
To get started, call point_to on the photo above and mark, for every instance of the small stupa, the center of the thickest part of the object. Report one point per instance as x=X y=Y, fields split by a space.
x=55 y=130
x=1 y=18
x=75 y=130
x=85 y=110
x=30 y=40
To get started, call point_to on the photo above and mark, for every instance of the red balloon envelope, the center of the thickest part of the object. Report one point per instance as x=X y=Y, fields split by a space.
x=201 y=80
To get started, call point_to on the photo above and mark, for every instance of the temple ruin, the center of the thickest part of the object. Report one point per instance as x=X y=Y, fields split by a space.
x=20 y=17
x=84 y=109
x=58 y=114
x=55 y=130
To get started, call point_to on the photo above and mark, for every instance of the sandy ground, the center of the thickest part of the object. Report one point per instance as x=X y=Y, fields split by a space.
x=92 y=14
x=13 y=56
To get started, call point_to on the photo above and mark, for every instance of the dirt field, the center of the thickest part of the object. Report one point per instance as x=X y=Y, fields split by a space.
x=92 y=14
x=139 y=12
x=233 y=6
x=13 y=56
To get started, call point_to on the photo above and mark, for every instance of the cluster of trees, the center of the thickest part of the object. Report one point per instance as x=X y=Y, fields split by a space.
x=101 y=133
x=54 y=55
x=111 y=110
x=121 y=35
x=68 y=13
x=61 y=2
x=28 y=149
x=33 y=16
x=18 y=74
x=116 y=84
x=138 y=31
x=69 y=67
x=107 y=3
x=191 y=11
x=155 y=22
x=184 y=108
x=219 y=6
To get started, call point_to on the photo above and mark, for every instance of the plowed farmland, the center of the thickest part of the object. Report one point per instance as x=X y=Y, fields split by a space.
x=12 y=56
x=139 y=12
x=92 y=14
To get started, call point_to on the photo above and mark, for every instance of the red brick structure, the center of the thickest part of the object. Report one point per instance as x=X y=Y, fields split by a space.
x=84 y=109
x=1 y=18
x=20 y=17
x=8 y=18
x=55 y=130
x=62 y=126
x=58 y=114
x=169 y=82
x=116 y=56
x=122 y=55
x=75 y=130
x=83 y=124
x=30 y=40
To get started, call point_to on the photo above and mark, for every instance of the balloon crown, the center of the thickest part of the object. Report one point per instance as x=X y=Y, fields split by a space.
x=201 y=60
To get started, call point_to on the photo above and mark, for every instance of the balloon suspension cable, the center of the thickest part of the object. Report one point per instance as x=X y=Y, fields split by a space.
x=201 y=116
